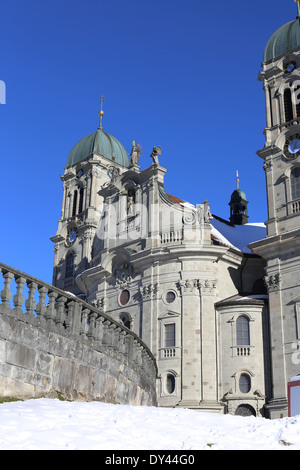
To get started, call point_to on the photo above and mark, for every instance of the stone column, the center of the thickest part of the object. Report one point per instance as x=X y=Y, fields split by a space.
x=278 y=403
x=209 y=348
x=191 y=357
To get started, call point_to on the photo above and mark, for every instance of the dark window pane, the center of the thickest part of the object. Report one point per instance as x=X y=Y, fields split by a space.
x=170 y=383
x=245 y=383
x=170 y=335
x=242 y=331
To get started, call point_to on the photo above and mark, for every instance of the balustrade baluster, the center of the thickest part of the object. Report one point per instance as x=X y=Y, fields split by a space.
x=6 y=293
x=114 y=344
x=107 y=339
x=19 y=298
x=123 y=344
x=100 y=332
x=41 y=307
x=91 y=330
x=69 y=320
x=97 y=331
x=135 y=352
x=30 y=303
x=60 y=314
x=84 y=322
x=118 y=336
x=51 y=312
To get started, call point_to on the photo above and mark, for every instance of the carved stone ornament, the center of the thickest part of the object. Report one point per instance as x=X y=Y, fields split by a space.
x=113 y=172
x=188 y=286
x=273 y=282
x=123 y=275
x=149 y=292
x=207 y=286
x=191 y=286
x=268 y=165
x=99 y=304
x=189 y=218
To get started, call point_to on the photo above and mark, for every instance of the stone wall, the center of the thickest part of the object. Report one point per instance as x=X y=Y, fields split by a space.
x=53 y=344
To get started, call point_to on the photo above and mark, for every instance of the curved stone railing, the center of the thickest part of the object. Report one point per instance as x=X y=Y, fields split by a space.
x=55 y=311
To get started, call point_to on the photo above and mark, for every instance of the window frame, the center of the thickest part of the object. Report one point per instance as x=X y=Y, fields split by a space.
x=170 y=335
x=243 y=337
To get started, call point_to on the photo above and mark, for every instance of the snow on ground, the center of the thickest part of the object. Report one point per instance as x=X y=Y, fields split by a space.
x=45 y=424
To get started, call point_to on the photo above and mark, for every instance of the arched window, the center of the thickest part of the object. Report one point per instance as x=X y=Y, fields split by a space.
x=74 y=203
x=288 y=105
x=80 y=208
x=245 y=383
x=242 y=331
x=125 y=320
x=170 y=383
x=295 y=183
x=70 y=266
x=297 y=98
x=245 y=410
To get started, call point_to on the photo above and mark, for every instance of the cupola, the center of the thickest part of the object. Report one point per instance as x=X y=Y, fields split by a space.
x=238 y=206
x=101 y=143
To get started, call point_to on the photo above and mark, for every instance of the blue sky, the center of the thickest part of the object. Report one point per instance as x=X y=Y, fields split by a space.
x=182 y=75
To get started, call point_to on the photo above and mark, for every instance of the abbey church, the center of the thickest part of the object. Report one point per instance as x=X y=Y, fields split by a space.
x=216 y=301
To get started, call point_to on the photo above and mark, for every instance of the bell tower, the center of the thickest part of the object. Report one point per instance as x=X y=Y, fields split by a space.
x=92 y=163
x=238 y=205
x=280 y=76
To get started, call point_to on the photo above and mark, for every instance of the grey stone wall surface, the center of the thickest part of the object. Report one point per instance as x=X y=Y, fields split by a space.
x=46 y=356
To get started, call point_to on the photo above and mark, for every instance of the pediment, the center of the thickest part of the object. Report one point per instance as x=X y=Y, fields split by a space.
x=169 y=314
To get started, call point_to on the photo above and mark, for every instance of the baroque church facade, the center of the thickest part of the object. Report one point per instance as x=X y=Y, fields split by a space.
x=216 y=301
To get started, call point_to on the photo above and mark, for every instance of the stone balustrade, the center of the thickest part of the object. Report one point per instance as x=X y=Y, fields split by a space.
x=43 y=306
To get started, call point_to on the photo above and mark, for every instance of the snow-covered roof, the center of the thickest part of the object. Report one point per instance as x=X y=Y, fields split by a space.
x=237 y=236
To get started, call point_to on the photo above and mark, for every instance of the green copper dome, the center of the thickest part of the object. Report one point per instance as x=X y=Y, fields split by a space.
x=285 y=39
x=103 y=144
x=238 y=195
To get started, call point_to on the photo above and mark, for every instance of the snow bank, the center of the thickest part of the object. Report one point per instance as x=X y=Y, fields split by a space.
x=46 y=424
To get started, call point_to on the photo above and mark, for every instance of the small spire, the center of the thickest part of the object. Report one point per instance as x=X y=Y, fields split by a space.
x=101 y=112
x=237 y=176
x=298 y=6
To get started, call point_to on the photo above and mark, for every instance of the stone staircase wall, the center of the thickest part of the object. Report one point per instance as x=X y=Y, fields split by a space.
x=54 y=344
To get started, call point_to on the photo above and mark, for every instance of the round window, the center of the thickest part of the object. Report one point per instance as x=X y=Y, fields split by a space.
x=170 y=297
x=124 y=297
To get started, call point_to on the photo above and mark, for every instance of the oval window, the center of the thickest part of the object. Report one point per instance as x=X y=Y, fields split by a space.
x=245 y=383
x=170 y=383
x=124 y=297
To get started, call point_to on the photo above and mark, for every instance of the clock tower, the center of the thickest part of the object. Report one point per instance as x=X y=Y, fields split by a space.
x=90 y=165
x=280 y=76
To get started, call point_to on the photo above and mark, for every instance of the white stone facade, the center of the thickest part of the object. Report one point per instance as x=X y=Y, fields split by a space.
x=217 y=302
x=150 y=261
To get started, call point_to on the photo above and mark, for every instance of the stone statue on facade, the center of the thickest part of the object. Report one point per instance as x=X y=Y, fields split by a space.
x=155 y=153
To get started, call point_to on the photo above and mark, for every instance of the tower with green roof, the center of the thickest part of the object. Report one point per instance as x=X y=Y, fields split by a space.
x=92 y=163
x=280 y=76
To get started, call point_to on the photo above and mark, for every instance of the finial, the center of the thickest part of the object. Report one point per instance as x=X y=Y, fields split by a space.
x=237 y=176
x=298 y=6
x=101 y=112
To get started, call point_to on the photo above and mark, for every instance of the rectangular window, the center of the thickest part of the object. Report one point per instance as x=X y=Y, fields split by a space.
x=70 y=266
x=170 y=335
x=295 y=183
